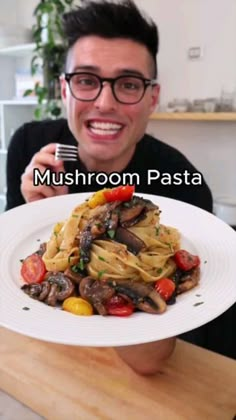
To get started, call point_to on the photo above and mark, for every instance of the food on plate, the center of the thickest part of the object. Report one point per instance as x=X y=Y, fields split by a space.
x=112 y=256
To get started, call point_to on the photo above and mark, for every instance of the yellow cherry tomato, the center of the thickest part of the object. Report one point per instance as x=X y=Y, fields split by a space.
x=77 y=306
x=97 y=199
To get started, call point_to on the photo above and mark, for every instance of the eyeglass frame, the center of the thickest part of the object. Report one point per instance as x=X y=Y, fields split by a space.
x=111 y=81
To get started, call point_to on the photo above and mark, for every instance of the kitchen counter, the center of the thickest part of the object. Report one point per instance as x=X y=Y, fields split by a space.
x=64 y=382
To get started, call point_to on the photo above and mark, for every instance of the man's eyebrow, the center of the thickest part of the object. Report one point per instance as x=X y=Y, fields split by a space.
x=121 y=71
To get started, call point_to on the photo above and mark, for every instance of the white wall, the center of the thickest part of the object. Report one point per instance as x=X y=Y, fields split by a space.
x=211 y=24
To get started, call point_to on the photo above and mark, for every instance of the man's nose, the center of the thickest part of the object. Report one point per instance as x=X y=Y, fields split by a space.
x=106 y=100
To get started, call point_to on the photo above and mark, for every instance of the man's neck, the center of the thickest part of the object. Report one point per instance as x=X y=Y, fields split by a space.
x=113 y=165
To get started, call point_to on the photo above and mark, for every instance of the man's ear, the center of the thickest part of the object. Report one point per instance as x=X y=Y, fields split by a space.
x=63 y=84
x=155 y=97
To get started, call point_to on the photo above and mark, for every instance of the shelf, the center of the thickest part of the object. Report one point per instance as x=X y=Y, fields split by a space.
x=22 y=102
x=194 y=116
x=17 y=50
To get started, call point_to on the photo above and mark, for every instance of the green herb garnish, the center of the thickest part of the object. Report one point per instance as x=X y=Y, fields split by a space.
x=111 y=233
x=157 y=231
x=101 y=258
x=159 y=271
x=100 y=274
x=198 y=303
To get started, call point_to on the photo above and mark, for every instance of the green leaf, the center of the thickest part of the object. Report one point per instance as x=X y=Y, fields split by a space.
x=101 y=258
x=100 y=274
x=37 y=113
x=28 y=92
x=111 y=233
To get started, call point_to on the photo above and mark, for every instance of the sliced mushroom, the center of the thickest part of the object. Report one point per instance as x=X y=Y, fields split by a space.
x=73 y=276
x=153 y=303
x=133 y=243
x=188 y=281
x=52 y=296
x=33 y=289
x=143 y=296
x=129 y=216
x=85 y=244
x=45 y=289
x=96 y=292
x=65 y=287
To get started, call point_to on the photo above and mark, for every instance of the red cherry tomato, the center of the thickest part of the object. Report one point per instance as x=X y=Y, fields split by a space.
x=186 y=261
x=120 y=193
x=165 y=287
x=33 y=269
x=118 y=306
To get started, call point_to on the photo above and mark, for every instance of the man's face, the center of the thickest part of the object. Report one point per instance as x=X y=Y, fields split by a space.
x=90 y=122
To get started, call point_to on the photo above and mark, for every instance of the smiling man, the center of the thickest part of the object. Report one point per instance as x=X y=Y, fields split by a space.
x=109 y=90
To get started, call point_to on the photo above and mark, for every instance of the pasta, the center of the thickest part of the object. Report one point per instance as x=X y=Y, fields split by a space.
x=115 y=249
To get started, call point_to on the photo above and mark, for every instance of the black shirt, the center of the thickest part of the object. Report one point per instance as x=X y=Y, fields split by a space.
x=150 y=154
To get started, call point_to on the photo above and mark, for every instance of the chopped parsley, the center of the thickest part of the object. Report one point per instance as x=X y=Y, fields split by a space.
x=100 y=274
x=111 y=233
x=157 y=231
x=77 y=268
x=98 y=225
x=101 y=258
x=169 y=245
x=159 y=271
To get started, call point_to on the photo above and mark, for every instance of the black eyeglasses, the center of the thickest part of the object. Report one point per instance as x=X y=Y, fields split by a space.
x=126 y=89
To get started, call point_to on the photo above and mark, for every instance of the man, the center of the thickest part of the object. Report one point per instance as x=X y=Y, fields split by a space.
x=109 y=90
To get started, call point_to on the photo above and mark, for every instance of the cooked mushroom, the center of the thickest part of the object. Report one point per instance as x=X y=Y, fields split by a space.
x=96 y=292
x=45 y=289
x=188 y=281
x=85 y=244
x=52 y=296
x=143 y=295
x=129 y=216
x=56 y=287
x=132 y=241
x=33 y=289
x=65 y=287
x=153 y=303
x=73 y=276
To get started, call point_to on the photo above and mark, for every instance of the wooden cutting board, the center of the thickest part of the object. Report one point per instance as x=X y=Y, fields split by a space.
x=69 y=383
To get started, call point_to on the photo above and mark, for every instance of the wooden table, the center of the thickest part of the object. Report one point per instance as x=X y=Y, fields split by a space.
x=68 y=383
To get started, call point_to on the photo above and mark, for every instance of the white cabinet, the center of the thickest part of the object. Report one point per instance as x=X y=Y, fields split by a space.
x=13 y=111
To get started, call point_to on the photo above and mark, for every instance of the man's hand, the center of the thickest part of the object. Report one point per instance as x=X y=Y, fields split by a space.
x=42 y=160
x=149 y=358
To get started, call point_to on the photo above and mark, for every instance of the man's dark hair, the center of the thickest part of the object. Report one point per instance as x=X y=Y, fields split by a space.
x=109 y=19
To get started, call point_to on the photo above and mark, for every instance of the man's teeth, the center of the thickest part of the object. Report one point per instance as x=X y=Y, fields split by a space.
x=104 y=128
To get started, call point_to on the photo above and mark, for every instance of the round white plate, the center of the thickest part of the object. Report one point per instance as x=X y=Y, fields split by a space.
x=23 y=228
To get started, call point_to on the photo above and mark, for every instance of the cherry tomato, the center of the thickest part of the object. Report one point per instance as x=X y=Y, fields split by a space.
x=120 y=193
x=186 y=261
x=118 y=306
x=165 y=287
x=33 y=269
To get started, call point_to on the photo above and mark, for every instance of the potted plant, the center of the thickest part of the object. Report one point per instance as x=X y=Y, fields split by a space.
x=48 y=55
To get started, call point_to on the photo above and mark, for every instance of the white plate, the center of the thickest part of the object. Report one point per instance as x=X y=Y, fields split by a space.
x=22 y=228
